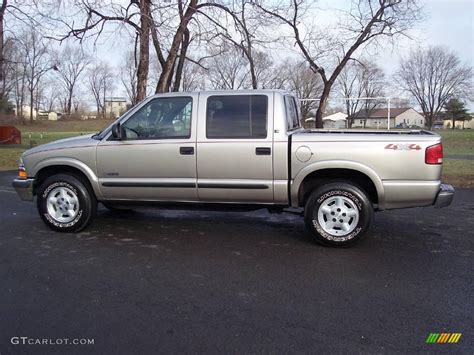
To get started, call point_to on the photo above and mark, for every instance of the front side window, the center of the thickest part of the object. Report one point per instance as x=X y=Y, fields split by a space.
x=236 y=116
x=161 y=118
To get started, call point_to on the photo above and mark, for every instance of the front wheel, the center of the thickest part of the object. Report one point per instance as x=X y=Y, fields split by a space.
x=338 y=214
x=65 y=203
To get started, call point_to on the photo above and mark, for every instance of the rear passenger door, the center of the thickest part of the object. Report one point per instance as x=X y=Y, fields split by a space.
x=234 y=148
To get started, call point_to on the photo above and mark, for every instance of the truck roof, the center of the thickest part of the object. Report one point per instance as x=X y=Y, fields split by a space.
x=224 y=92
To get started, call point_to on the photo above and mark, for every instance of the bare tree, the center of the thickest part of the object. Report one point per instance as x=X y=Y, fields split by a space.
x=167 y=23
x=361 y=79
x=349 y=84
x=101 y=83
x=19 y=71
x=244 y=35
x=228 y=71
x=135 y=15
x=264 y=70
x=193 y=77
x=433 y=76
x=18 y=11
x=3 y=9
x=37 y=62
x=366 y=21
x=128 y=76
x=9 y=75
x=50 y=95
x=300 y=80
x=71 y=63
x=372 y=80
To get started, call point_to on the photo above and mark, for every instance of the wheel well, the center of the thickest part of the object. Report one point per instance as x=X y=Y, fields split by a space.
x=319 y=177
x=48 y=171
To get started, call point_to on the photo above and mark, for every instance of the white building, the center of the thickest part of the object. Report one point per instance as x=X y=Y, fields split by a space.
x=24 y=112
x=37 y=115
x=448 y=124
x=337 y=120
x=115 y=106
x=404 y=117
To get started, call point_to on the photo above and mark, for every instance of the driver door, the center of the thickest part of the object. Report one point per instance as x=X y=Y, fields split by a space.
x=155 y=160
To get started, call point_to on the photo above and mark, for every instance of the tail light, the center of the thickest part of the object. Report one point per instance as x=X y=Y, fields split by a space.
x=434 y=154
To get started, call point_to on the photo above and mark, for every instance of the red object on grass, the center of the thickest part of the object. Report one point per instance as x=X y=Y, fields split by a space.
x=9 y=135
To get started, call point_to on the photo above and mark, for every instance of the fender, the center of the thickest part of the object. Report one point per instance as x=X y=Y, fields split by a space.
x=74 y=163
x=337 y=164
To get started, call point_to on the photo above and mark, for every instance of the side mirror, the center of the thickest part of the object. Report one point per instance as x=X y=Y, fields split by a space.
x=117 y=131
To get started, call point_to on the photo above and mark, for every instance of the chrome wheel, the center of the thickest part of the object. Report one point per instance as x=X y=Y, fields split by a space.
x=338 y=215
x=62 y=204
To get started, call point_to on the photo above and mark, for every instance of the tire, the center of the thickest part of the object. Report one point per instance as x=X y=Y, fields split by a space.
x=66 y=203
x=338 y=214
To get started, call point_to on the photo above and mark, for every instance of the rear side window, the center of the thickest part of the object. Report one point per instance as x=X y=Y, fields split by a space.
x=292 y=114
x=236 y=116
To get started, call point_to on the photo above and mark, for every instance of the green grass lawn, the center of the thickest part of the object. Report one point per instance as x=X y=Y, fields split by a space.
x=457 y=172
x=9 y=155
x=458 y=142
x=40 y=132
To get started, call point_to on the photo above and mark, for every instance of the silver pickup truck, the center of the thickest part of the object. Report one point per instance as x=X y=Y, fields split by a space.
x=234 y=150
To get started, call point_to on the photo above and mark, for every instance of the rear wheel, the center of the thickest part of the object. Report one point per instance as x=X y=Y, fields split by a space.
x=338 y=214
x=65 y=203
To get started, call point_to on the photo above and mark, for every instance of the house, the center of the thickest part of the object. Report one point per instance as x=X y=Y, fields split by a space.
x=115 y=106
x=37 y=115
x=337 y=120
x=459 y=124
x=50 y=116
x=24 y=112
x=403 y=117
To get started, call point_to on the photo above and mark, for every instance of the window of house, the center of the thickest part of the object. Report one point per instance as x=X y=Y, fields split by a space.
x=237 y=116
x=161 y=118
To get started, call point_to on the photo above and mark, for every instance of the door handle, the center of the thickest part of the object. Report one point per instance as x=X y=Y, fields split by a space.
x=263 y=151
x=186 y=150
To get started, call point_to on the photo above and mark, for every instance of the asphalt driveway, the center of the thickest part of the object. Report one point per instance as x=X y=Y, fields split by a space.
x=178 y=281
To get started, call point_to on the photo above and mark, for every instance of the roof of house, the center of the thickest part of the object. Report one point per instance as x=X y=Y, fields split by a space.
x=115 y=99
x=338 y=116
x=381 y=112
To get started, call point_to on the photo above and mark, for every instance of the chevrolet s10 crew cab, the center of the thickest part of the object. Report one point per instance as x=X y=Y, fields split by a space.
x=237 y=150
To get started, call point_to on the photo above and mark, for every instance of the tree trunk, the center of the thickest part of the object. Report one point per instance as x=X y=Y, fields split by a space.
x=144 y=59
x=3 y=8
x=454 y=123
x=181 y=60
x=69 y=103
x=167 y=69
x=252 y=72
x=31 y=106
x=322 y=105
x=349 y=116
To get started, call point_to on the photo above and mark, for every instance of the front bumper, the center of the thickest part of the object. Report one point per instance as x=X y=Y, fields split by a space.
x=24 y=188
x=445 y=196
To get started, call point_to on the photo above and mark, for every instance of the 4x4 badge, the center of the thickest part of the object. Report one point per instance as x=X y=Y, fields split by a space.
x=408 y=146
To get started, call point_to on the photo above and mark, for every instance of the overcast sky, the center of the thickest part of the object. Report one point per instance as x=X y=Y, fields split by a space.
x=448 y=23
